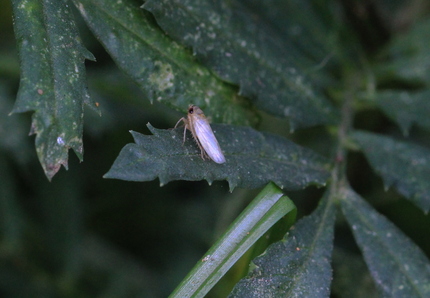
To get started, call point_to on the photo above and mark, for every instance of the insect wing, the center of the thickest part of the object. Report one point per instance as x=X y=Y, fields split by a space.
x=207 y=140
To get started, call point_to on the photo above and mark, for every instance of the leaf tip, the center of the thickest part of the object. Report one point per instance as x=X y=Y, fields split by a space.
x=232 y=185
x=387 y=185
x=151 y=128
x=88 y=55
x=133 y=133
x=52 y=169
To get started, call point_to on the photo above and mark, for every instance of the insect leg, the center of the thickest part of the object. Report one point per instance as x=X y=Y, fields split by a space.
x=185 y=133
x=185 y=128
x=182 y=119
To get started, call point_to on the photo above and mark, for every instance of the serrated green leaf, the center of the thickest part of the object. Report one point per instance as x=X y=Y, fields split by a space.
x=164 y=70
x=52 y=79
x=243 y=50
x=405 y=108
x=398 y=266
x=299 y=266
x=405 y=166
x=253 y=159
x=264 y=211
x=410 y=55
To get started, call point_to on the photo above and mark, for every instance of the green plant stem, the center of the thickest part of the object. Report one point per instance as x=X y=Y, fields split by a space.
x=338 y=173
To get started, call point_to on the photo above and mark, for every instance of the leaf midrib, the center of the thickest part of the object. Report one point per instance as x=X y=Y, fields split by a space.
x=248 y=157
x=312 y=248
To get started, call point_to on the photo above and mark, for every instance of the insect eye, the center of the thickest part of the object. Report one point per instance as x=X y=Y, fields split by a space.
x=191 y=110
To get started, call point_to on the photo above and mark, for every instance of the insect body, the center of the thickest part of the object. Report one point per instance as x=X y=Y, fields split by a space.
x=202 y=133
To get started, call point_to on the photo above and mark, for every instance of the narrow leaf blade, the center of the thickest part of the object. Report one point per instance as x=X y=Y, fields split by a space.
x=264 y=211
x=52 y=79
x=299 y=266
x=242 y=50
x=164 y=70
x=398 y=266
x=405 y=166
x=253 y=159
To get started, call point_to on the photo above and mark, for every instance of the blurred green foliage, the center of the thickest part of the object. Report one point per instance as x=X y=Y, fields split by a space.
x=84 y=236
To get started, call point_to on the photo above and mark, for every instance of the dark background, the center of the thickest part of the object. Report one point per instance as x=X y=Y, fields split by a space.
x=84 y=236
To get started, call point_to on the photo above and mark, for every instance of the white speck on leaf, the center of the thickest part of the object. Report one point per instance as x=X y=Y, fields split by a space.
x=60 y=141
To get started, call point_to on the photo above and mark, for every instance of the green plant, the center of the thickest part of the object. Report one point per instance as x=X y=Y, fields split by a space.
x=343 y=85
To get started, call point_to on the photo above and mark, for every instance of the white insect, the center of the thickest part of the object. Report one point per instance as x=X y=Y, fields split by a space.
x=202 y=133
